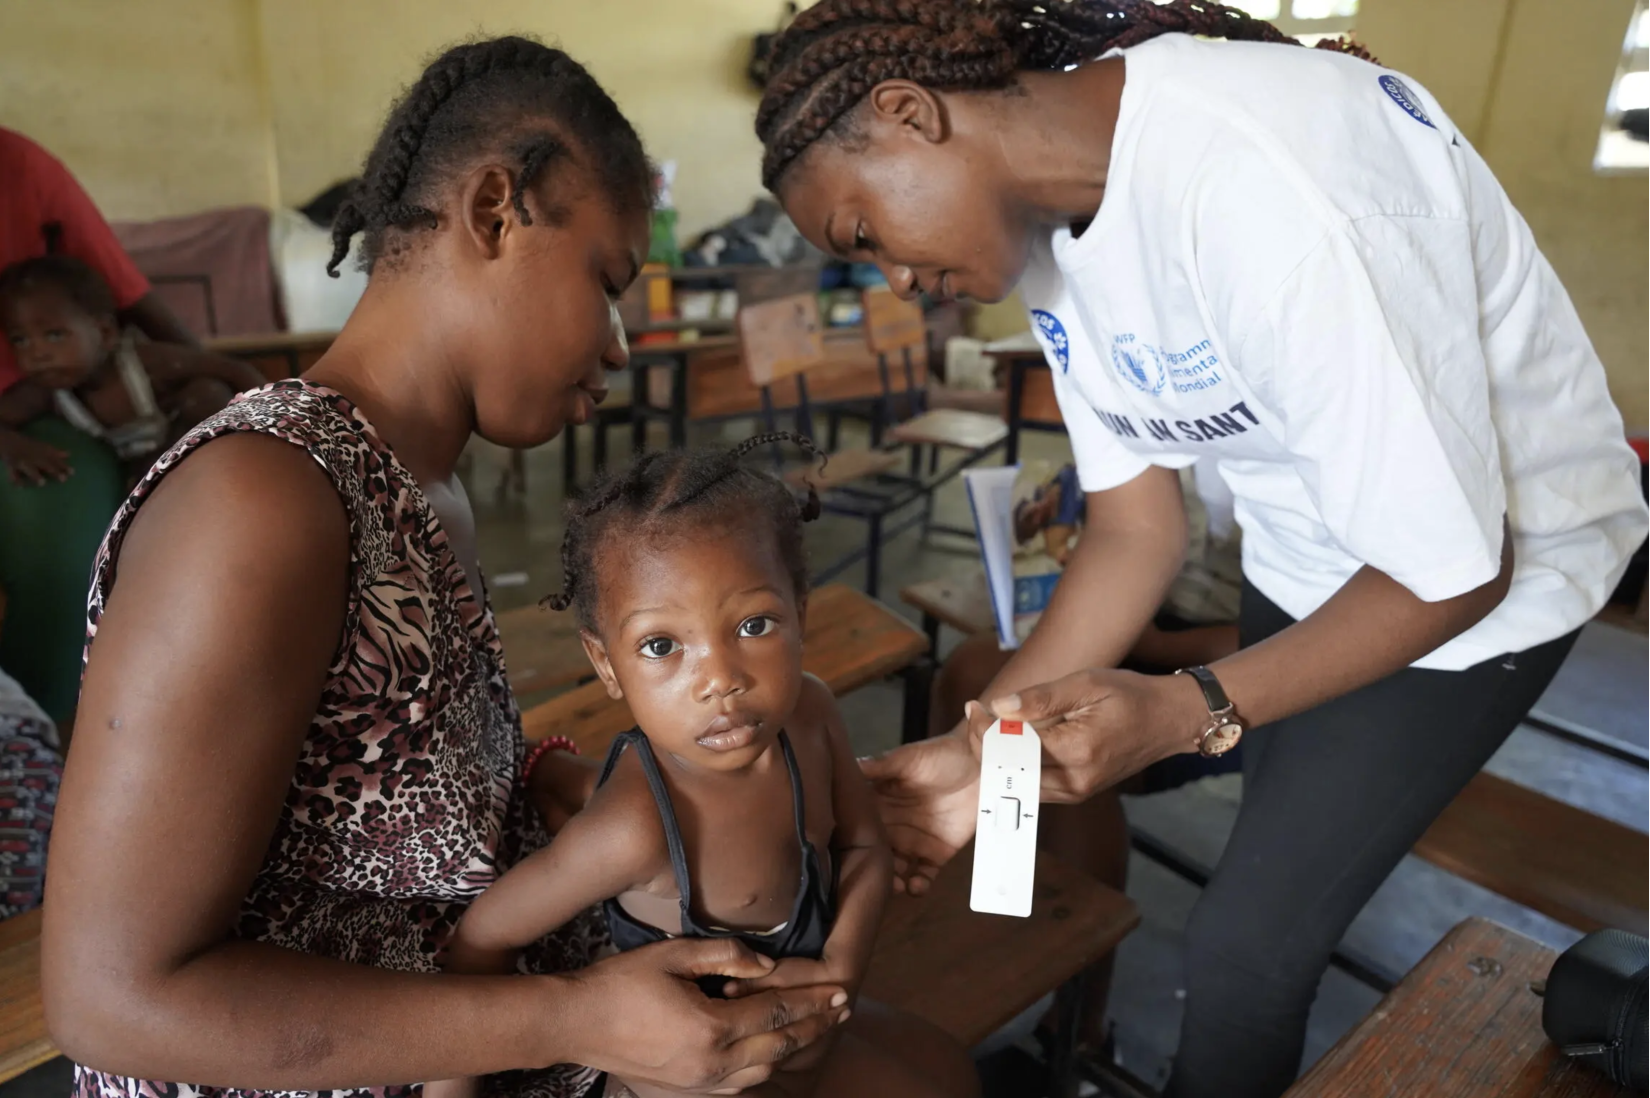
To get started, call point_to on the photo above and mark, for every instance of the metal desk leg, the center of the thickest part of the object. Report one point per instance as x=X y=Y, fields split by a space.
x=638 y=408
x=1016 y=402
x=1062 y=1060
x=678 y=401
x=919 y=688
x=570 y=458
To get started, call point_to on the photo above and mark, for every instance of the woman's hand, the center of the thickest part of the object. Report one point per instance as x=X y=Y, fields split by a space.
x=1100 y=726
x=32 y=461
x=639 y=1016
x=929 y=797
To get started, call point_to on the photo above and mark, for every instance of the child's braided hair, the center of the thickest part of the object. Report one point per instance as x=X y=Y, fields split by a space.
x=665 y=489
x=509 y=97
x=835 y=52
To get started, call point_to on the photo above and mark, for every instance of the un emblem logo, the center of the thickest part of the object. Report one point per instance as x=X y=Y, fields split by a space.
x=1139 y=365
x=1054 y=337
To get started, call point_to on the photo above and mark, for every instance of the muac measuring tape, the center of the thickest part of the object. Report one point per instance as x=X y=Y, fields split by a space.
x=1005 y=843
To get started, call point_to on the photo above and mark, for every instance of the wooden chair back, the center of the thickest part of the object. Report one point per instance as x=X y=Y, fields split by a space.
x=892 y=325
x=780 y=338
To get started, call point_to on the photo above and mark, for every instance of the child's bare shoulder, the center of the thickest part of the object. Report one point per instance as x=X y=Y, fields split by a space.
x=817 y=732
x=623 y=816
x=817 y=709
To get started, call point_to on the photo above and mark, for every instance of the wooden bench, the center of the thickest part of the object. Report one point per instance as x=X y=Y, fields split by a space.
x=24 y=1043
x=850 y=640
x=1567 y=863
x=1463 y=1024
x=541 y=648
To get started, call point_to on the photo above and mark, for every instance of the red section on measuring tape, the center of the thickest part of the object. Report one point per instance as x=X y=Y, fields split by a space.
x=1011 y=728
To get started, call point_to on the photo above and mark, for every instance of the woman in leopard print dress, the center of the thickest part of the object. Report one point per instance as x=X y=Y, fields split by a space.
x=297 y=758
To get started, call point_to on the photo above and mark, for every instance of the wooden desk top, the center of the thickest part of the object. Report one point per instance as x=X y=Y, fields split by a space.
x=682 y=346
x=931 y=950
x=850 y=640
x=962 y=602
x=1463 y=1024
x=269 y=343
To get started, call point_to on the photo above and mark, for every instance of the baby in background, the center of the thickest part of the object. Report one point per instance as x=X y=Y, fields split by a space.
x=139 y=397
x=736 y=807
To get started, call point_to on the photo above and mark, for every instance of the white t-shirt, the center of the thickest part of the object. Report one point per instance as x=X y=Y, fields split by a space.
x=1302 y=270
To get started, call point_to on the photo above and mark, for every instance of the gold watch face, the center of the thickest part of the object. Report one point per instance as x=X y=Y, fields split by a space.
x=1220 y=738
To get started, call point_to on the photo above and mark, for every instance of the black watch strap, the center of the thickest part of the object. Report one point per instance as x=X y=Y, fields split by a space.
x=1212 y=692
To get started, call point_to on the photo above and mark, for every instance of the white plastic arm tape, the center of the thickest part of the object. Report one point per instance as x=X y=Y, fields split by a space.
x=1005 y=843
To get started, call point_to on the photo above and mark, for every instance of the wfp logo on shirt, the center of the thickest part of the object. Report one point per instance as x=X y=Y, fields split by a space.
x=1401 y=95
x=1054 y=337
x=1139 y=364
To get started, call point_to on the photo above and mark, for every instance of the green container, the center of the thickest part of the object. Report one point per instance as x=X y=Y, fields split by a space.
x=49 y=537
x=663 y=247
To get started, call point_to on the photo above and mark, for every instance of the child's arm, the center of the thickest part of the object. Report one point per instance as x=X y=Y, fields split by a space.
x=865 y=870
x=864 y=862
x=171 y=365
x=603 y=851
x=27 y=458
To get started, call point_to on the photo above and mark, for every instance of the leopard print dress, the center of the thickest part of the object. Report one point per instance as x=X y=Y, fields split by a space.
x=403 y=803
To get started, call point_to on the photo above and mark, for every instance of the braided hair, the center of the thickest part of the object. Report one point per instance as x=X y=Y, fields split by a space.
x=835 y=52
x=665 y=490
x=511 y=96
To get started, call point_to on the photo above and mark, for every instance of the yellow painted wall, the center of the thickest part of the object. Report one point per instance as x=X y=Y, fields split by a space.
x=676 y=68
x=156 y=106
x=166 y=107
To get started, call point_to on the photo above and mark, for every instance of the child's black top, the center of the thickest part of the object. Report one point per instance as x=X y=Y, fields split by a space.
x=812 y=915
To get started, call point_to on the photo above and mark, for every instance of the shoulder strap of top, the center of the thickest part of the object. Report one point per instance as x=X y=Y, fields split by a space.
x=135 y=378
x=78 y=415
x=661 y=798
x=797 y=803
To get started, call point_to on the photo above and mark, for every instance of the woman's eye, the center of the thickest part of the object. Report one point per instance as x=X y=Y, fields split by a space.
x=657 y=648
x=759 y=626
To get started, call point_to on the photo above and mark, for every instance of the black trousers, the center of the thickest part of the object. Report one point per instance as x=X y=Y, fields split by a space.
x=1332 y=800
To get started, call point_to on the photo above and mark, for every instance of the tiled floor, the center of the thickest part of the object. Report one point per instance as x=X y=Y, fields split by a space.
x=1603 y=687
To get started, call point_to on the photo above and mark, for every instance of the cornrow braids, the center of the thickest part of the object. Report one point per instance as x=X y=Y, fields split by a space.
x=664 y=492
x=510 y=97
x=835 y=52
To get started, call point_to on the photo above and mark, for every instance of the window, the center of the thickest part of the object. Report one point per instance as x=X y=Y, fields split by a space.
x=1621 y=141
x=1308 y=20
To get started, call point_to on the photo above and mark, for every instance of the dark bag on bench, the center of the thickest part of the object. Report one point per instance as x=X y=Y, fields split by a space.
x=1594 y=1006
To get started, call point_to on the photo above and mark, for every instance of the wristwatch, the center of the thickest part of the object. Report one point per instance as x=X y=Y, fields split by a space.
x=1225 y=726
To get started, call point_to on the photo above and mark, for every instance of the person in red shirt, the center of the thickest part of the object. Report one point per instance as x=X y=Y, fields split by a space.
x=44 y=210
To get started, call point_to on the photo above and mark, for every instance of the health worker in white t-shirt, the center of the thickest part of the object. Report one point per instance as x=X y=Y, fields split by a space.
x=1290 y=261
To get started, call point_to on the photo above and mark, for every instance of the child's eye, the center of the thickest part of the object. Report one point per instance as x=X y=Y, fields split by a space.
x=759 y=626
x=657 y=648
x=861 y=242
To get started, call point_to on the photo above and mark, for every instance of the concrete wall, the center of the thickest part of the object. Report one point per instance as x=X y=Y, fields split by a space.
x=172 y=106
x=156 y=106
x=676 y=68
